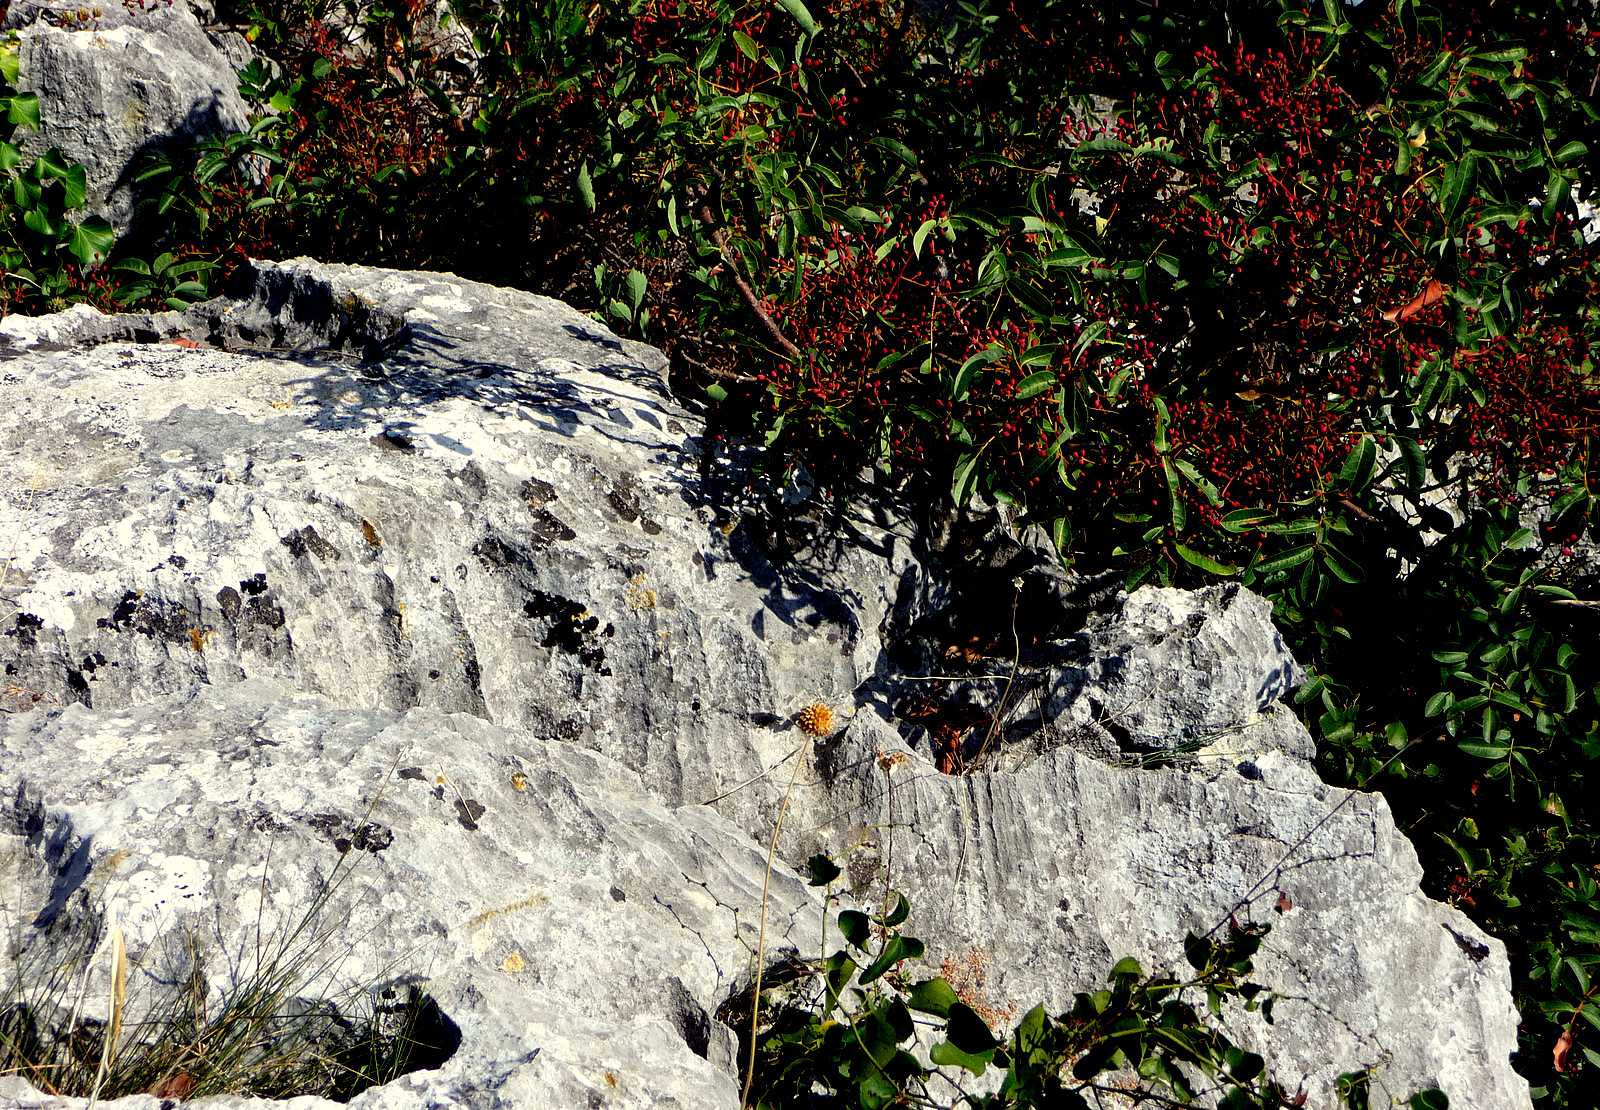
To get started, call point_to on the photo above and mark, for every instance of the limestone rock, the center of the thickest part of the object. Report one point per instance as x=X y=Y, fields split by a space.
x=123 y=83
x=368 y=513
x=576 y=934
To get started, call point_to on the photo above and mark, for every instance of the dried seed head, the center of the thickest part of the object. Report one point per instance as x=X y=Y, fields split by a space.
x=815 y=719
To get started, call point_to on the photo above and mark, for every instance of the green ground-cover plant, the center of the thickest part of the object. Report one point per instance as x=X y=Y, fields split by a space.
x=1296 y=293
x=1152 y=1039
x=43 y=251
x=52 y=254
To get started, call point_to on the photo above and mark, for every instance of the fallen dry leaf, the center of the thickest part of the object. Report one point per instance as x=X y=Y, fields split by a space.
x=1284 y=904
x=1563 y=1046
x=174 y=1086
x=1433 y=293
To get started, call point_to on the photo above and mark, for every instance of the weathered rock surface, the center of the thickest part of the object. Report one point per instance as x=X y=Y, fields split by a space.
x=120 y=84
x=470 y=523
x=565 y=923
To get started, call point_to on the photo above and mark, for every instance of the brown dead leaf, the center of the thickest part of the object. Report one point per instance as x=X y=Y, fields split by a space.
x=1432 y=294
x=174 y=1086
x=1563 y=1046
x=1284 y=902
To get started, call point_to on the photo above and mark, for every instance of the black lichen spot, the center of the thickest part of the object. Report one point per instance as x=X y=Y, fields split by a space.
x=254 y=586
x=617 y=895
x=327 y=824
x=414 y=773
x=372 y=837
x=229 y=599
x=569 y=729
x=150 y=616
x=538 y=494
x=494 y=551
x=178 y=561
x=365 y=838
x=302 y=540
x=27 y=632
x=571 y=626
x=625 y=504
x=261 y=612
x=548 y=529
x=651 y=528
x=468 y=810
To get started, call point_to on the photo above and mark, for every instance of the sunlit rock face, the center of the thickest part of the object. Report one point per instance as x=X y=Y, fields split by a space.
x=438 y=585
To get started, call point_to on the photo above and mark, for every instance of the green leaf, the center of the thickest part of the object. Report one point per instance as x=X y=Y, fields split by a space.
x=1180 y=513
x=1204 y=562
x=855 y=926
x=904 y=153
x=1357 y=469
x=1035 y=384
x=1431 y=1099
x=1571 y=152
x=747 y=45
x=946 y=1054
x=1127 y=966
x=823 y=870
x=585 y=187
x=1342 y=566
x=933 y=996
x=1484 y=751
x=1284 y=562
x=967 y=1031
x=895 y=949
x=1246 y=520
x=1203 y=485
x=637 y=284
x=91 y=240
x=962 y=383
x=23 y=110
x=801 y=16
x=965 y=482
x=897 y=915
x=1102 y=145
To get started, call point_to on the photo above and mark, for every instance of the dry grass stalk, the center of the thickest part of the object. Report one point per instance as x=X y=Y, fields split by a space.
x=761 y=942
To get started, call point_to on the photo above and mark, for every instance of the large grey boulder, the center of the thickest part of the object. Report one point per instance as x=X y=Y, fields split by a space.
x=127 y=81
x=572 y=930
x=404 y=510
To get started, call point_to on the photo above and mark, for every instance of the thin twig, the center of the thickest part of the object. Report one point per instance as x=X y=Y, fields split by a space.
x=719 y=236
x=758 y=775
x=1298 y=844
x=761 y=942
x=1000 y=707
